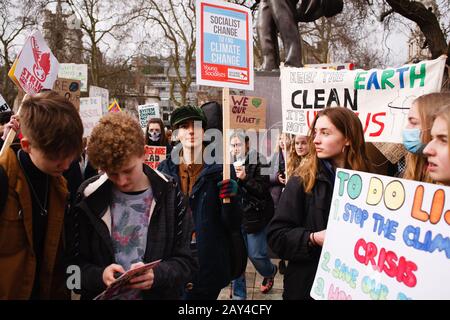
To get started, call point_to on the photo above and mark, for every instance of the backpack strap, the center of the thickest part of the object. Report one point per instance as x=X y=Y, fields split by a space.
x=3 y=188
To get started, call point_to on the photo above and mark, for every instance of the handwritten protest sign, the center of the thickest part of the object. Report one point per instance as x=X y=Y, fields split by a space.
x=75 y=71
x=36 y=67
x=386 y=238
x=90 y=113
x=154 y=156
x=70 y=89
x=3 y=105
x=100 y=92
x=146 y=112
x=247 y=112
x=380 y=97
x=225 y=45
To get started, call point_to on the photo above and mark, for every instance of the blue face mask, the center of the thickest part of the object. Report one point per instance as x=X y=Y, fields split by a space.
x=412 y=141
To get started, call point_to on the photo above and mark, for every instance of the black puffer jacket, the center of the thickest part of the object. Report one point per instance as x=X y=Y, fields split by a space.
x=256 y=188
x=297 y=215
x=168 y=237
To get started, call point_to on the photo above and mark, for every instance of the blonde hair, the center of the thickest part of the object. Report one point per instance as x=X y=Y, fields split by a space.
x=426 y=105
x=114 y=140
x=350 y=126
x=294 y=160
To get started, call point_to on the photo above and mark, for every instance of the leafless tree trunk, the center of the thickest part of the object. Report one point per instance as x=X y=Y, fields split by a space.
x=427 y=22
x=176 y=20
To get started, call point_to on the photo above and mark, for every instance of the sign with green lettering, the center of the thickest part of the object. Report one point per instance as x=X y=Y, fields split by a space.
x=381 y=97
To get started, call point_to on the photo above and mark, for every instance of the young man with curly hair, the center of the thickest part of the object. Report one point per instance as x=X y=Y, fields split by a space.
x=35 y=197
x=128 y=216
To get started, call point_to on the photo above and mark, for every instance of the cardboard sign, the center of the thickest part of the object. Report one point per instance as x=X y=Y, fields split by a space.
x=224 y=45
x=392 y=151
x=100 y=92
x=3 y=105
x=386 y=238
x=90 y=113
x=154 y=156
x=146 y=112
x=381 y=98
x=75 y=71
x=247 y=112
x=36 y=67
x=70 y=89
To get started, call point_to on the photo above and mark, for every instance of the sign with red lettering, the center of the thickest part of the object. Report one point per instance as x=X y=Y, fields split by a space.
x=224 y=45
x=247 y=112
x=154 y=156
x=386 y=239
x=380 y=97
x=36 y=67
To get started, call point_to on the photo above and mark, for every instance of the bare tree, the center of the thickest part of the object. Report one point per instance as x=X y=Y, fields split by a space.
x=16 y=18
x=175 y=19
x=101 y=22
x=427 y=21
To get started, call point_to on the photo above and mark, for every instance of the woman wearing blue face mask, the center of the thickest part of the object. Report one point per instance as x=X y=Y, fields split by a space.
x=417 y=133
x=155 y=134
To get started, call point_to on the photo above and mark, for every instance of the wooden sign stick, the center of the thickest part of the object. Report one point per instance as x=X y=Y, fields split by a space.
x=226 y=127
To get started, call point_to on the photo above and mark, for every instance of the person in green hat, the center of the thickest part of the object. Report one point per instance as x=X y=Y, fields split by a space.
x=215 y=239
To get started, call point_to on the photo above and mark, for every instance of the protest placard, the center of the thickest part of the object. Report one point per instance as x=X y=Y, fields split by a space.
x=224 y=45
x=70 y=89
x=380 y=97
x=247 y=112
x=154 y=155
x=386 y=238
x=90 y=113
x=147 y=112
x=74 y=71
x=4 y=107
x=103 y=93
x=36 y=67
x=392 y=151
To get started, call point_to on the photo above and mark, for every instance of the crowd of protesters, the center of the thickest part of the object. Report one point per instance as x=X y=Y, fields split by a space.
x=95 y=204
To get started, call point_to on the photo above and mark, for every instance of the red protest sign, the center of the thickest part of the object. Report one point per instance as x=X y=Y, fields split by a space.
x=36 y=67
x=154 y=156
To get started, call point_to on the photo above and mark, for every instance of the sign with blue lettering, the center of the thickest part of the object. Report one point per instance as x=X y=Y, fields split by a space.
x=224 y=45
x=386 y=239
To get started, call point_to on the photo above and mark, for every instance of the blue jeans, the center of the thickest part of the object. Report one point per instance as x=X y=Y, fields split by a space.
x=257 y=253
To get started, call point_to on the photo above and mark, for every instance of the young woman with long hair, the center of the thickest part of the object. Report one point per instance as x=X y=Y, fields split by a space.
x=297 y=231
x=417 y=134
x=297 y=153
x=155 y=134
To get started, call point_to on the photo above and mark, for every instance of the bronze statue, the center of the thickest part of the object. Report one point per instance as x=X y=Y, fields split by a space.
x=282 y=16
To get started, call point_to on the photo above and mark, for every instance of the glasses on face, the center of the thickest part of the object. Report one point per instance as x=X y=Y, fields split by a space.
x=236 y=145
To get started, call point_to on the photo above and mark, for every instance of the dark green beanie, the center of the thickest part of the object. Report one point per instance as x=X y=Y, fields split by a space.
x=188 y=112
